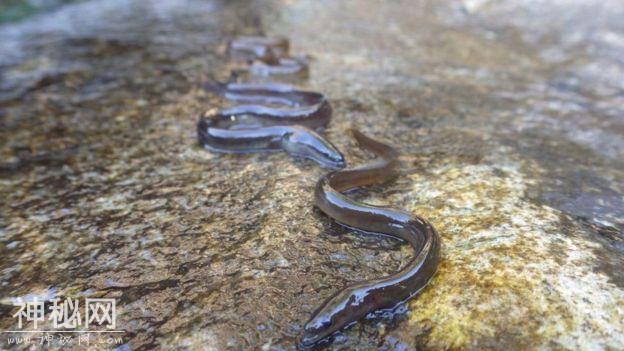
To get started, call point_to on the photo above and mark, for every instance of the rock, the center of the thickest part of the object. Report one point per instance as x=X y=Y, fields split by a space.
x=508 y=116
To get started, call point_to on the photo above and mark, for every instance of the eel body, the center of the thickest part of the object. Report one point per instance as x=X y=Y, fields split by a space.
x=354 y=302
x=259 y=47
x=273 y=117
x=268 y=56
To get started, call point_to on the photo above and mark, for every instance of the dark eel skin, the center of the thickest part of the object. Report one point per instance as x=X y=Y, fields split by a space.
x=278 y=117
x=356 y=301
x=268 y=55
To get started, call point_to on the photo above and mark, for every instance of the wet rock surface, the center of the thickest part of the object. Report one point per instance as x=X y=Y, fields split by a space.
x=509 y=117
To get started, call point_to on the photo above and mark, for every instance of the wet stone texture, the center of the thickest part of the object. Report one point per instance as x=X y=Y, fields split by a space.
x=509 y=116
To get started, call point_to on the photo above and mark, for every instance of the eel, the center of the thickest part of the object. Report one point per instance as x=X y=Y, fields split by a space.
x=275 y=117
x=258 y=47
x=267 y=56
x=354 y=302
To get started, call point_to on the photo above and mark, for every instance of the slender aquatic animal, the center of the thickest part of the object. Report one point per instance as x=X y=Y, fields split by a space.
x=354 y=302
x=267 y=56
x=277 y=117
x=258 y=47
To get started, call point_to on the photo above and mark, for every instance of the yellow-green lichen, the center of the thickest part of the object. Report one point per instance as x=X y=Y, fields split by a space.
x=508 y=273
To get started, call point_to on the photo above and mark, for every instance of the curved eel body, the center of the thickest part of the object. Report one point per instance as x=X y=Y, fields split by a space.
x=277 y=117
x=356 y=301
x=257 y=47
x=268 y=55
